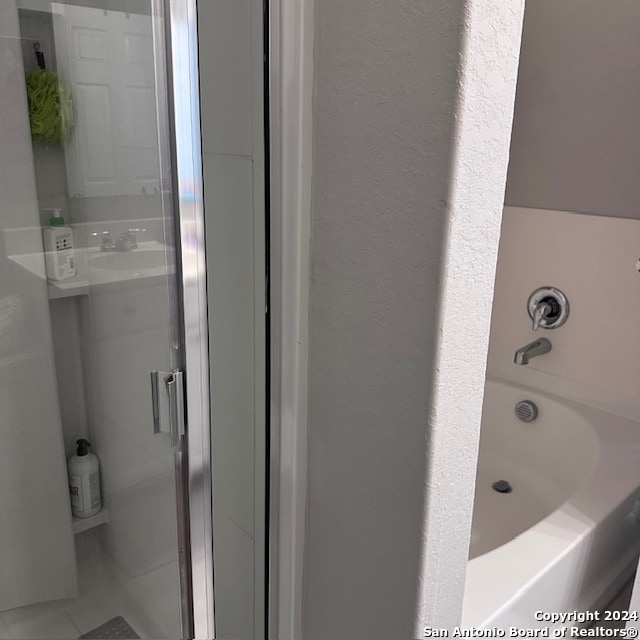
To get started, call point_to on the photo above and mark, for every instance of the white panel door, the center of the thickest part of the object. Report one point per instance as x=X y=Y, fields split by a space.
x=136 y=137
x=106 y=59
x=82 y=44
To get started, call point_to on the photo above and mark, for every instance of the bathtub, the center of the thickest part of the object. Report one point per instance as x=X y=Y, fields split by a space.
x=568 y=534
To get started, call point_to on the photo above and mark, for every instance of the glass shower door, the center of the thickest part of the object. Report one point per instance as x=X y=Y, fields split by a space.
x=92 y=124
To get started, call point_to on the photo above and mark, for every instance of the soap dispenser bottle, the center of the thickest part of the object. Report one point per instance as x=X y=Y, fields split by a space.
x=84 y=481
x=60 y=259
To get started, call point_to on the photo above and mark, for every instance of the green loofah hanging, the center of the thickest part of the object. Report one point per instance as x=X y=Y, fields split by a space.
x=50 y=107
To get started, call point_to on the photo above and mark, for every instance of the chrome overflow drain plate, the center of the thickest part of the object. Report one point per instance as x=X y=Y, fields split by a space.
x=526 y=410
x=502 y=486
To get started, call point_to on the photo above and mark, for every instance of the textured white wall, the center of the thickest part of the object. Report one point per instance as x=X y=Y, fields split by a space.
x=576 y=146
x=412 y=124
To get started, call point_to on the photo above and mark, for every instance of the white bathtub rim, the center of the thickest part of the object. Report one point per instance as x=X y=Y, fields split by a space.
x=550 y=551
x=600 y=593
x=597 y=495
x=564 y=389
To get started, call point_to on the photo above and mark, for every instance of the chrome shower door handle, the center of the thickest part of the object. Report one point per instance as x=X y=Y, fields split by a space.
x=175 y=387
x=167 y=399
x=155 y=401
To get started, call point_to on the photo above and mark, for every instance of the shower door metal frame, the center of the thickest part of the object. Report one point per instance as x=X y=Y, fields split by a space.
x=177 y=24
x=289 y=82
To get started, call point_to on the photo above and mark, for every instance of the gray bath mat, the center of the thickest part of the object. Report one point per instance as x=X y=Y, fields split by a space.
x=113 y=629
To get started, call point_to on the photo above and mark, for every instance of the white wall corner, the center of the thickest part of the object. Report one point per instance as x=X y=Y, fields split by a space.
x=486 y=93
x=291 y=88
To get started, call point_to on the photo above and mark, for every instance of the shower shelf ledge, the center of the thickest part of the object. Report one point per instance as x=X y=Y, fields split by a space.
x=68 y=288
x=84 y=524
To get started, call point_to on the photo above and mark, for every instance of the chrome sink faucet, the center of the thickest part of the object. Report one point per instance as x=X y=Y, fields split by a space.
x=536 y=348
x=106 y=242
x=126 y=241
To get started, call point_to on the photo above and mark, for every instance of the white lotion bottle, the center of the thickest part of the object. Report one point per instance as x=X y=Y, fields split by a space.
x=84 y=481
x=60 y=257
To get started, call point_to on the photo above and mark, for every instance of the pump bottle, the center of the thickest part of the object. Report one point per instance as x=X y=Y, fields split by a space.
x=84 y=481
x=60 y=258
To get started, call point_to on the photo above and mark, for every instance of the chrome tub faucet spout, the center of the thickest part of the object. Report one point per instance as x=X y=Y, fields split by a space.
x=533 y=349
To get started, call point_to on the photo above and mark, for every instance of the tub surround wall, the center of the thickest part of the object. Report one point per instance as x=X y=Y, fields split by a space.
x=592 y=259
x=575 y=146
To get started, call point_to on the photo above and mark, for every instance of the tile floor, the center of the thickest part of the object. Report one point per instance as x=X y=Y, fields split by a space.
x=101 y=598
x=145 y=595
x=147 y=603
